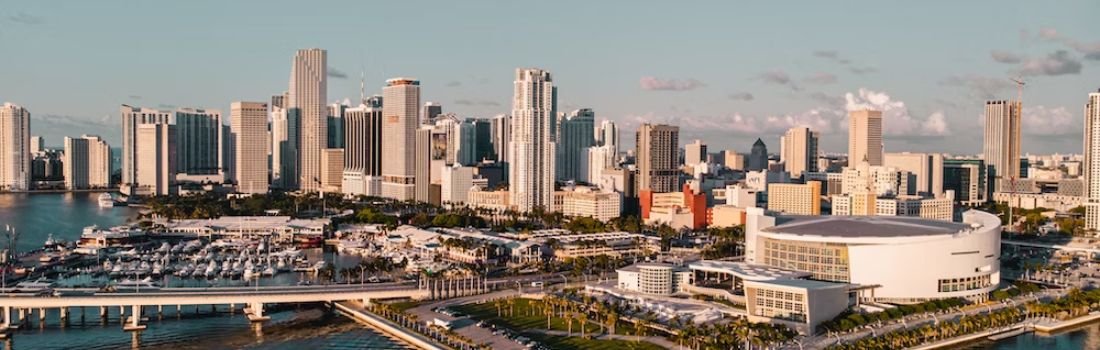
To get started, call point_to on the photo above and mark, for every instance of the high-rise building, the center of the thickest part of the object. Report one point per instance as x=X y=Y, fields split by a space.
x=156 y=160
x=362 y=150
x=1092 y=163
x=400 y=110
x=968 y=179
x=132 y=118
x=577 y=135
x=455 y=184
x=734 y=160
x=501 y=127
x=1001 y=146
x=865 y=136
x=608 y=134
x=200 y=143
x=657 y=158
x=600 y=158
x=695 y=152
x=429 y=112
x=797 y=199
x=925 y=169
x=306 y=99
x=248 y=124
x=284 y=144
x=798 y=151
x=483 y=135
x=87 y=162
x=758 y=157
x=335 y=125
x=38 y=144
x=532 y=163
x=465 y=142
x=15 y=153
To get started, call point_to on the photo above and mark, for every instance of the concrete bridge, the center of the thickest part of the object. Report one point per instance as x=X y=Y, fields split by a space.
x=15 y=307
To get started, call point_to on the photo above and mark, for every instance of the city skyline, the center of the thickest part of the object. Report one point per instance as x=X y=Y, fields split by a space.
x=932 y=91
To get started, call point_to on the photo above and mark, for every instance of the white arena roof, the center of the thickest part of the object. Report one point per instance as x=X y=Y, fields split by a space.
x=863 y=226
x=746 y=271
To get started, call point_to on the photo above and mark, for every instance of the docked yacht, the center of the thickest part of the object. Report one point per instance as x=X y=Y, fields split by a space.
x=106 y=201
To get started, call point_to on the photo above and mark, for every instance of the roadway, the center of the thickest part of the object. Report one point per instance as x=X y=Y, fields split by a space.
x=220 y=295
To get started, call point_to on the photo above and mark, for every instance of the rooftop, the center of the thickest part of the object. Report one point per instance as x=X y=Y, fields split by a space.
x=863 y=226
x=746 y=271
x=804 y=284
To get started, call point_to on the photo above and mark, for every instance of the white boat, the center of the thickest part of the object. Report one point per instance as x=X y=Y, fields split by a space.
x=106 y=201
x=133 y=286
x=268 y=272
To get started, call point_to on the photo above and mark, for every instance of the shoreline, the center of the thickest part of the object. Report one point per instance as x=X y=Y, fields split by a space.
x=1019 y=329
x=61 y=191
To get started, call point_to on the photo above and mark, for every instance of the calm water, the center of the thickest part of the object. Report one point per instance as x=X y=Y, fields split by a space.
x=1087 y=337
x=35 y=216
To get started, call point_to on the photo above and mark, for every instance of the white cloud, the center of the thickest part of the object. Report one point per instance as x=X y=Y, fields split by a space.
x=896 y=119
x=1050 y=121
x=653 y=83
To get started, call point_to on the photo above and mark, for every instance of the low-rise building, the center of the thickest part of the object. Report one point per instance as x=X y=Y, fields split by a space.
x=798 y=303
x=585 y=201
x=653 y=278
x=798 y=199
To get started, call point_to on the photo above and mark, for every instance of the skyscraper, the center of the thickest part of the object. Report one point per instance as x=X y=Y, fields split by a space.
x=608 y=134
x=15 y=153
x=758 y=157
x=865 y=136
x=502 y=137
x=38 y=144
x=430 y=111
x=926 y=170
x=532 y=163
x=199 y=141
x=577 y=134
x=87 y=162
x=657 y=158
x=400 y=105
x=132 y=118
x=483 y=135
x=335 y=125
x=156 y=160
x=363 y=149
x=284 y=144
x=1001 y=146
x=798 y=151
x=695 y=152
x=248 y=122
x=1092 y=163
x=307 y=96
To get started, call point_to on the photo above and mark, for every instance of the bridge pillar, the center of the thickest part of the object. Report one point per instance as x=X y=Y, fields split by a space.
x=20 y=317
x=160 y=310
x=41 y=316
x=255 y=312
x=232 y=307
x=6 y=322
x=135 y=320
x=63 y=313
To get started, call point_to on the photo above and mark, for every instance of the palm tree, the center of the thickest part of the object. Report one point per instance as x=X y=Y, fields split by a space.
x=583 y=319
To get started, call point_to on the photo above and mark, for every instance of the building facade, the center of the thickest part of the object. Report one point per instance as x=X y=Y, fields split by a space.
x=15 y=153
x=306 y=99
x=798 y=199
x=532 y=163
x=400 y=103
x=1092 y=163
x=87 y=162
x=798 y=151
x=248 y=123
x=657 y=158
x=362 y=150
x=577 y=135
x=1001 y=142
x=865 y=136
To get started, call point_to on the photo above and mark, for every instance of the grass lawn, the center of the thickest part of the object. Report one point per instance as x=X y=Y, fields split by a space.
x=527 y=317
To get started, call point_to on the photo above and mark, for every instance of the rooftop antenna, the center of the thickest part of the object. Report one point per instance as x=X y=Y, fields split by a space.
x=362 y=85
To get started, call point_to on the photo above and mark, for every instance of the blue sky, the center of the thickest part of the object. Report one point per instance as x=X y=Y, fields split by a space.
x=725 y=72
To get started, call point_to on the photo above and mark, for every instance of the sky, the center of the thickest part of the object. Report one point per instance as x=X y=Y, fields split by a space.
x=726 y=72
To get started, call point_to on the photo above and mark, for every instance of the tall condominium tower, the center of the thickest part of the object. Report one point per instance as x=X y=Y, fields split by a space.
x=284 y=144
x=532 y=163
x=1001 y=147
x=307 y=96
x=400 y=105
x=156 y=160
x=577 y=134
x=132 y=118
x=87 y=162
x=1092 y=163
x=657 y=158
x=865 y=136
x=200 y=142
x=798 y=151
x=502 y=137
x=15 y=153
x=758 y=156
x=695 y=152
x=248 y=122
x=608 y=134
